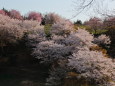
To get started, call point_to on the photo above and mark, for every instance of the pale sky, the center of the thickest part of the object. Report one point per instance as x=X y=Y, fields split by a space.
x=61 y=7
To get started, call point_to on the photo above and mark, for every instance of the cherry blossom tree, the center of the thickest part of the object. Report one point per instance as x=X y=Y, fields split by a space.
x=94 y=23
x=52 y=18
x=2 y=12
x=102 y=39
x=35 y=16
x=93 y=67
x=15 y=14
x=10 y=30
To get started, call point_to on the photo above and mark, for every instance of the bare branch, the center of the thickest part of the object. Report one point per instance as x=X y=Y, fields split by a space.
x=86 y=5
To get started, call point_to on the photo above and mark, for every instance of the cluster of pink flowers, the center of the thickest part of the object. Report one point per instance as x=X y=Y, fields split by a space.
x=17 y=15
x=12 y=30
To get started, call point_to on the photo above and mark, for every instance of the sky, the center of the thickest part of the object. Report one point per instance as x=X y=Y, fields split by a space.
x=64 y=8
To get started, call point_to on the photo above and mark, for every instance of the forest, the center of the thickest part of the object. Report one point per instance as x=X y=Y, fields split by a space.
x=50 y=50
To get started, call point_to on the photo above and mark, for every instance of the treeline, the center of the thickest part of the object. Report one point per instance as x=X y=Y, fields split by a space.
x=43 y=19
x=17 y=15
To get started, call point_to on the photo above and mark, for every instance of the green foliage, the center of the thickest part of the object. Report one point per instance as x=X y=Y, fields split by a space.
x=99 y=31
x=92 y=31
x=47 y=29
x=79 y=26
